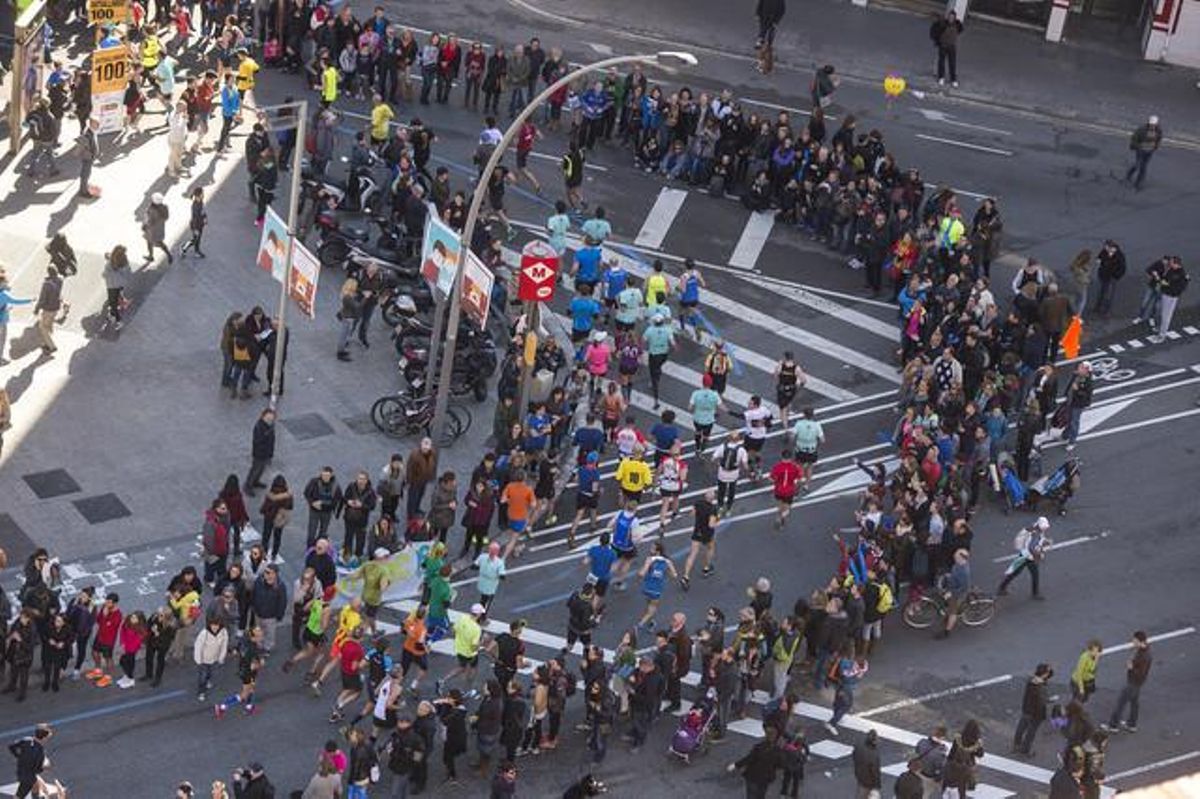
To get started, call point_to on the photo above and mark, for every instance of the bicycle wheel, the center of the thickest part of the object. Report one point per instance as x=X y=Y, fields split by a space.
x=464 y=416
x=978 y=611
x=388 y=414
x=921 y=613
x=333 y=253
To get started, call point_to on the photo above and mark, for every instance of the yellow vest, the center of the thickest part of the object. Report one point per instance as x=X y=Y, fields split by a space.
x=329 y=84
x=245 y=73
x=656 y=284
x=151 y=49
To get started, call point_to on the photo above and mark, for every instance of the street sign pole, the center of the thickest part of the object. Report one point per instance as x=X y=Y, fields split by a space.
x=300 y=113
x=533 y=323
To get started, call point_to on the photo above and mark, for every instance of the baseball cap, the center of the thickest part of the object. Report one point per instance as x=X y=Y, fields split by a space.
x=478 y=609
x=592 y=457
x=1042 y=523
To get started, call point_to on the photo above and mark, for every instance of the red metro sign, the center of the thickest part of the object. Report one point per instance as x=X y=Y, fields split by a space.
x=539 y=271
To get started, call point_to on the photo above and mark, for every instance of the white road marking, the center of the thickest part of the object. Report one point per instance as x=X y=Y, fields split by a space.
x=1191 y=331
x=658 y=221
x=1116 y=348
x=830 y=749
x=1135 y=343
x=920 y=700
x=974 y=195
x=602 y=49
x=754 y=237
x=966 y=145
x=857 y=300
x=1170 y=761
x=1171 y=334
x=1154 y=639
x=811 y=382
x=586 y=165
x=804 y=296
x=1070 y=542
x=945 y=118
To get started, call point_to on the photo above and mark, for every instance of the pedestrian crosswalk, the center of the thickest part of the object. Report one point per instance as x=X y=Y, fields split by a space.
x=844 y=352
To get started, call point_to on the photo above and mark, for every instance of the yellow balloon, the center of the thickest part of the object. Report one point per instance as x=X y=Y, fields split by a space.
x=894 y=85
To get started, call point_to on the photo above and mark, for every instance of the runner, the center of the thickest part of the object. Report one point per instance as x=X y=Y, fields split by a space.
x=316 y=623
x=586 y=268
x=250 y=664
x=616 y=280
x=492 y=570
x=634 y=475
x=351 y=660
x=468 y=637
x=786 y=476
x=349 y=619
x=789 y=379
x=625 y=535
x=629 y=355
x=660 y=340
x=758 y=421
x=703 y=406
x=612 y=407
x=703 y=535
x=672 y=480
x=690 y=283
x=731 y=461
x=415 y=651
x=526 y=136
x=587 y=495
x=717 y=365
x=629 y=308
x=654 y=575
x=518 y=499
x=599 y=560
x=657 y=288
x=807 y=437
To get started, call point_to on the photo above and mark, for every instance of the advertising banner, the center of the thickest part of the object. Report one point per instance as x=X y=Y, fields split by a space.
x=273 y=247
x=439 y=256
x=302 y=279
x=110 y=73
x=477 y=290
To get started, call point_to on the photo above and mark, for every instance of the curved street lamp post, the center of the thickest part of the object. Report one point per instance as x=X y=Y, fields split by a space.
x=455 y=310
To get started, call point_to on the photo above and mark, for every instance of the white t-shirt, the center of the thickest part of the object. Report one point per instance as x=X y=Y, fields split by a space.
x=670 y=474
x=757 y=420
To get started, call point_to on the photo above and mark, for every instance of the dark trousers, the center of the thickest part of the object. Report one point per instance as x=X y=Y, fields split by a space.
x=655 y=362
x=318 y=526
x=1141 y=160
x=263 y=197
x=114 y=304
x=368 y=309
x=674 y=690
x=354 y=539
x=444 y=82
x=1108 y=291
x=85 y=175
x=416 y=493
x=52 y=669
x=271 y=537
x=428 y=76
x=226 y=129
x=875 y=275
x=81 y=648
x=948 y=56
x=725 y=493
x=1129 y=696
x=156 y=663
x=641 y=725
x=1032 y=566
x=1027 y=729
x=254 y=476
x=25 y=783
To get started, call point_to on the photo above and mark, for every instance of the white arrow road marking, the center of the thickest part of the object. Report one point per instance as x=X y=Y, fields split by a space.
x=944 y=118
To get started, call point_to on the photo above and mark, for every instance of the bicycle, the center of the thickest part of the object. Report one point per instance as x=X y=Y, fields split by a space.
x=400 y=415
x=923 y=609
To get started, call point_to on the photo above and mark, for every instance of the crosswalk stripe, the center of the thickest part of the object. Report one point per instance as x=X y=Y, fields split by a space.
x=887 y=330
x=754 y=237
x=1191 y=331
x=1133 y=342
x=658 y=221
x=1116 y=348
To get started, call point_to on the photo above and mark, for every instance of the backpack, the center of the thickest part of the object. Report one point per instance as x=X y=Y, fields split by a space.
x=729 y=457
x=933 y=758
x=886 y=599
x=1021 y=540
x=629 y=357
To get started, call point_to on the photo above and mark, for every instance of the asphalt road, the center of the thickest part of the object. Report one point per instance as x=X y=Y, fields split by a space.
x=1123 y=542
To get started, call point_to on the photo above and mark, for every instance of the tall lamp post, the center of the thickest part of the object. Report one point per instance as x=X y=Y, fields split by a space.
x=451 y=322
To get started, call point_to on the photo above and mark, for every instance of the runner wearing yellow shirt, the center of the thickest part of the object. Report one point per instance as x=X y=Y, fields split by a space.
x=633 y=474
x=247 y=67
x=381 y=115
x=468 y=637
x=657 y=287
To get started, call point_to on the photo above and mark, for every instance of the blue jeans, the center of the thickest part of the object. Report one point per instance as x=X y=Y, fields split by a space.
x=355 y=791
x=1141 y=160
x=204 y=675
x=240 y=373
x=843 y=700
x=516 y=101
x=399 y=786
x=1151 y=299
x=1072 y=431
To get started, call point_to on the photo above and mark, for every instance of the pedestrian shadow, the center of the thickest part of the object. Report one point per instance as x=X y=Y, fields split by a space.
x=60 y=218
x=19 y=383
x=28 y=191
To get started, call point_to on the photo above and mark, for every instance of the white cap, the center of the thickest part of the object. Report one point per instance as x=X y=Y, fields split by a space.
x=478 y=609
x=599 y=335
x=1153 y=119
x=1042 y=524
x=156 y=198
x=381 y=552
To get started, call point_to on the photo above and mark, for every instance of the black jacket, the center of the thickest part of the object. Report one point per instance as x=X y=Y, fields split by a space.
x=770 y=11
x=866 y=765
x=50 y=297
x=1063 y=785
x=909 y=786
x=405 y=750
x=759 y=765
x=262 y=445
x=30 y=755
x=1033 y=703
x=1112 y=265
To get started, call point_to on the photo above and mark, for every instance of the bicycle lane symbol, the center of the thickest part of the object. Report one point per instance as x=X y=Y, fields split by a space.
x=1108 y=369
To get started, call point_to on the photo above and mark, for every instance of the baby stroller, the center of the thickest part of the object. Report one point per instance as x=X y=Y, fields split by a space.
x=1007 y=484
x=692 y=735
x=1060 y=485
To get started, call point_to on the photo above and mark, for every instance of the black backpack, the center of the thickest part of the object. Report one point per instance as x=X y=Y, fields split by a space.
x=729 y=457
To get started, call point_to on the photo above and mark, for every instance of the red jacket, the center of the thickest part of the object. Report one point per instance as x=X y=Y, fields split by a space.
x=107 y=624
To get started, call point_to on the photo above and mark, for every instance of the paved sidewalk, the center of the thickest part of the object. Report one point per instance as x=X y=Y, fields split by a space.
x=999 y=65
